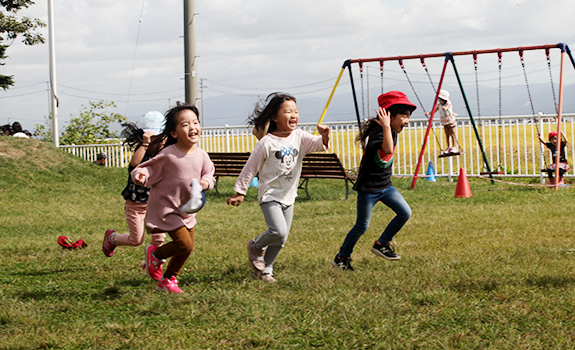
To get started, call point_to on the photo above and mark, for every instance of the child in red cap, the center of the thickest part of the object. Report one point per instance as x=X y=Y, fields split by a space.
x=374 y=179
x=552 y=145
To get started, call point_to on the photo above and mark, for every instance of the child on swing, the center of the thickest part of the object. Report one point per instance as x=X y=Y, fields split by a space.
x=552 y=145
x=447 y=118
x=137 y=196
x=169 y=175
x=277 y=157
x=374 y=179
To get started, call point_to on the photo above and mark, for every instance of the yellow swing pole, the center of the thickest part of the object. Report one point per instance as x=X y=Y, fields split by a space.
x=559 y=115
x=331 y=96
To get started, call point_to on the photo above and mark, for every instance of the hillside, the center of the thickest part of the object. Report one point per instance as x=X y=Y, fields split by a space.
x=41 y=184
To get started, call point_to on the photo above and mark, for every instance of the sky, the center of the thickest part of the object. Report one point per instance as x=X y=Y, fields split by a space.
x=131 y=51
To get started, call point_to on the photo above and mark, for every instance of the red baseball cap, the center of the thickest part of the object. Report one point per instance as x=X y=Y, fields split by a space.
x=394 y=98
x=552 y=133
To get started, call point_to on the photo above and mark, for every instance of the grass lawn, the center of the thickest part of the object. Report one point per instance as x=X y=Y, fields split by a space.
x=495 y=271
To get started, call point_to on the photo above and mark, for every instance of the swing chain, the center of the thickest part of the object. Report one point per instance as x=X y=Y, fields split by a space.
x=381 y=73
x=527 y=83
x=362 y=98
x=426 y=71
x=476 y=83
x=551 y=78
x=499 y=57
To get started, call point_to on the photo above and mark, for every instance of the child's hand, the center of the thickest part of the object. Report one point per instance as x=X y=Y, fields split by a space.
x=383 y=118
x=147 y=137
x=236 y=199
x=323 y=130
x=140 y=179
x=205 y=184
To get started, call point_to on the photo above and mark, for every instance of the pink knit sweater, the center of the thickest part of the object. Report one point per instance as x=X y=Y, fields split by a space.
x=169 y=174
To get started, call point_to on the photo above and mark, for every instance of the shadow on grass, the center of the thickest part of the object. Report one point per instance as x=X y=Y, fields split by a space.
x=550 y=281
x=486 y=285
x=232 y=274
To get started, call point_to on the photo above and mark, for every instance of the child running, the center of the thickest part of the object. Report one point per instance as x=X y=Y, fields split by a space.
x=552 y=146
x=374 y=179
x=169 y=174
x=277 y=157
x=137 y=196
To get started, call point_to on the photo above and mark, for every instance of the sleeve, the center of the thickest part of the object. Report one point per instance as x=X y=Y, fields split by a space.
x=152 y=169
x=252 y=167
x=208 y=170
x=312 y=143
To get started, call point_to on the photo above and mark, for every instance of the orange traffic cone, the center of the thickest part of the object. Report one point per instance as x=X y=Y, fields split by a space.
x=462 y=190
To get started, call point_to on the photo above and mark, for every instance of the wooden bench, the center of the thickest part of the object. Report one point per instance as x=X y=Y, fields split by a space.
x=228 y=164
x=315 y=166
x=324 y=166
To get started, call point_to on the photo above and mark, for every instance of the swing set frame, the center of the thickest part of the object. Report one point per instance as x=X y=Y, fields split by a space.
x=449 y=57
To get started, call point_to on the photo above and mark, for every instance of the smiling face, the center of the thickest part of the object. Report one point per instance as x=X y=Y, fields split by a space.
x=287 y=117
x=187 y=132
x=399 y=121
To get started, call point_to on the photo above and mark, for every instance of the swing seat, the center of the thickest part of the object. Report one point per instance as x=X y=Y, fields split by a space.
x=451 y=154
x=492 y=173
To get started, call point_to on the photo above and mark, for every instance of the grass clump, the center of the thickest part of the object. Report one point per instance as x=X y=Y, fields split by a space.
x=494 y=271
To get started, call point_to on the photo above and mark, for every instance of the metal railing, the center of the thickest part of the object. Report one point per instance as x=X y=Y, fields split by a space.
x=511 y=145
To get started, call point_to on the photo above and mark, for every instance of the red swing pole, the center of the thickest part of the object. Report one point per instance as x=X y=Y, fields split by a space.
x=429 y=125
x=559 y=117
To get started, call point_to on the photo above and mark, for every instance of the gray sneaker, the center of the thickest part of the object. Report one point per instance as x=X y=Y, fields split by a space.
x=256 y=257
x=266 y=277
x=385 y=250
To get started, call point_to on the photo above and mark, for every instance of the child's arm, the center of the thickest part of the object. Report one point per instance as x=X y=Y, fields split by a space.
x=208 y=169
x=564 y=136
x=141 y=151
x=148 y=173
x=253 y=165
x=384 y=120
x=541 y=139
x=323 y=130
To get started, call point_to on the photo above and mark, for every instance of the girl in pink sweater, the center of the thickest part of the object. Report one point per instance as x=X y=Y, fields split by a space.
x=169 y=174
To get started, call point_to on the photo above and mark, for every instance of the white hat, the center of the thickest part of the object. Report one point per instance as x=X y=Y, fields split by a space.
x=444 y=95
x=153 y=121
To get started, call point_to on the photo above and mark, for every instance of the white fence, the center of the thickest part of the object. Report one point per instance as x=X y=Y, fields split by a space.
x=510 y=142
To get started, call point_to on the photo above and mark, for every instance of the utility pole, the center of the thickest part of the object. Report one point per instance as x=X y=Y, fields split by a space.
x=202 y=87
x=53 y=96
x=190 y=54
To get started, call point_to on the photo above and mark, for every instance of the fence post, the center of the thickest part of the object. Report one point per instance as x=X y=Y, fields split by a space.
x=227 y=136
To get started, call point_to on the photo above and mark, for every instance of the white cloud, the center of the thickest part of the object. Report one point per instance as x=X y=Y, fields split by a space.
x=261 y=45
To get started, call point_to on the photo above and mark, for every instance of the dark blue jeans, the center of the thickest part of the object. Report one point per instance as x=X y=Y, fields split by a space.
x=365 y=203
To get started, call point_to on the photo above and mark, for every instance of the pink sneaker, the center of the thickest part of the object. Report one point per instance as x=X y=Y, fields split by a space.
x=108 y=245
x=153 y=264
x=171 y=285
x=256 y=257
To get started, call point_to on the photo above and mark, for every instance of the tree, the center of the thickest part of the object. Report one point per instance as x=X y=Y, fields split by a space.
x=91 y=126
x=11 y=27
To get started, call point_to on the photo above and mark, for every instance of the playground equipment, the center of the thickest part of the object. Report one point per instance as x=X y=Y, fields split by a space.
x=449 y=57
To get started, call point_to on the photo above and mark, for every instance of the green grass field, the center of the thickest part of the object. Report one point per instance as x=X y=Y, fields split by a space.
x=495 y=271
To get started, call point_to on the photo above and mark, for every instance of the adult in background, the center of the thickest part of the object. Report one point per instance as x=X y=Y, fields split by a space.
x=101 y=159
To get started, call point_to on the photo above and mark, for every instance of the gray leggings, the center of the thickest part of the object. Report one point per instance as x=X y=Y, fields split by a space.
x=278 y=218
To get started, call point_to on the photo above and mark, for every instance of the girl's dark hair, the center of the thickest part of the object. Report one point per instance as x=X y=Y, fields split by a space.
x=8 y=128
x=171 y=123
x=133 y=136
x=266 y=109
x=368 y=126
x=16 y=127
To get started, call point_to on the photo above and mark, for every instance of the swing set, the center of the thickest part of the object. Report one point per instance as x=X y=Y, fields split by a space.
x=450 y=57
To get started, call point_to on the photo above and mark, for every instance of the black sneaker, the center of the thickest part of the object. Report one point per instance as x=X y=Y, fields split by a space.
x=385 y=250
x=343 y=264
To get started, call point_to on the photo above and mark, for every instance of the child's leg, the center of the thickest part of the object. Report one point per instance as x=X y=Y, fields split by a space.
x=450 y=135
x=179 y=249
x=365 y=203
x=135 y=214
x=394 y=200
x=278 y=218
